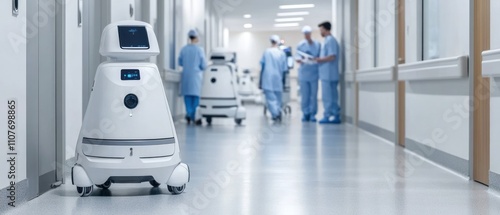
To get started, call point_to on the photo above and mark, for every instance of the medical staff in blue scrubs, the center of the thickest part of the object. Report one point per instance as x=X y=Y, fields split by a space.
x=193 y=62
x=329 y=75
x=307 y=51
x=273 y=64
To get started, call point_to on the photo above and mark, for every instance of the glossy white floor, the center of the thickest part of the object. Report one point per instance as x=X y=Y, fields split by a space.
x=293 y=168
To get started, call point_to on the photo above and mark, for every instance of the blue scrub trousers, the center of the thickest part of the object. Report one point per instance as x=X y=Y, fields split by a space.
x=330 y=98
x=192 y=103
x=309 y=94
x=273 y=102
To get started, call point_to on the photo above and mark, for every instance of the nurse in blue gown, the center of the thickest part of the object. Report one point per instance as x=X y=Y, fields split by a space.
x=273 y=64
x=307 y=51
x=329 y=75
x=193 y=62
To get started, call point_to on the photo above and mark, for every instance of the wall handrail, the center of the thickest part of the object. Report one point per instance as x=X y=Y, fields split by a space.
x=491 y=63
x=379 y=74
x=439 y=69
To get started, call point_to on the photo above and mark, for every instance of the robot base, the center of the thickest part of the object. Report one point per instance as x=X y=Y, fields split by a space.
x=218 y=109
x=175 y=184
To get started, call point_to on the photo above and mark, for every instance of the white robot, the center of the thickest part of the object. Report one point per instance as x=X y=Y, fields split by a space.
x=128 y=135
x=219 y=95
x=247 y=88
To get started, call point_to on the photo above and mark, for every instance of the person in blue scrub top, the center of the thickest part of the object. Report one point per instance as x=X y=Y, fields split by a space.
x=193 y=62
x=329 y=75
x=307 y=51
x=273 y=64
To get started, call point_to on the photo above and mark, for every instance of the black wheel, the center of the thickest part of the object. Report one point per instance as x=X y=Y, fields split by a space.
x=198 y=122
x=238 y=121
x=209 y=120
x=176 y=190
x=265 y=110
x=85 y=191
x=289 y=109
x=154 y=183
x=106 y=185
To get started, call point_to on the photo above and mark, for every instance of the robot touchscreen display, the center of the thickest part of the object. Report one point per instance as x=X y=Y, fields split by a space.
x=130 y=75
x=133 y=37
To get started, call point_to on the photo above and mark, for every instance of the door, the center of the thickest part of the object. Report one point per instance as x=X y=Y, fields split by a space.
x=47 y=97
x=41 y=95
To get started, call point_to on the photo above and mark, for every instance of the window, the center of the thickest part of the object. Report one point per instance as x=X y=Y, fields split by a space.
x=445 y=28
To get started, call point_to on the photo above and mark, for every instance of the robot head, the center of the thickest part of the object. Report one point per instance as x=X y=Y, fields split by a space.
x=129 y=40
x=221 y=55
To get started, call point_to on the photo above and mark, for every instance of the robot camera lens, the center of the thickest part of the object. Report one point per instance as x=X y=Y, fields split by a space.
x=213 y=80
x=131 y=101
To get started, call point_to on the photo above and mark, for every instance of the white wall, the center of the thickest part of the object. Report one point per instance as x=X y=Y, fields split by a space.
x=377 y=99
x=13 y=86
x=385 y=38
x=495 y=89
x=190 y=14
x=73 y=77
x=348 y=46
x=435 y=107
x=119 y=6
x=437 y=111
x=495 y=24
x=411 y=32
x=366 y=32
x=495 y=125
x=377 y=104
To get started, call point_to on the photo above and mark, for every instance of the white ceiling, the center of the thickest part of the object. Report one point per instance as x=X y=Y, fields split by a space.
x=264 y=13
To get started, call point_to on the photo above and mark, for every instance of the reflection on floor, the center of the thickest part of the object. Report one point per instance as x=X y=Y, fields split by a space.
x=293 y=168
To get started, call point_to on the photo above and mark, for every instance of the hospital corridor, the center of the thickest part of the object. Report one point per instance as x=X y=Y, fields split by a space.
x=250 y=107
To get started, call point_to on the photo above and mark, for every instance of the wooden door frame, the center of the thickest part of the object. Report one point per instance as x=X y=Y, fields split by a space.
x=400 y=85
x=479 y=92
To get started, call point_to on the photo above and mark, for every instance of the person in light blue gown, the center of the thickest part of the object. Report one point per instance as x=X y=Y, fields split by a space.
x=273 y=64
x=193 y=62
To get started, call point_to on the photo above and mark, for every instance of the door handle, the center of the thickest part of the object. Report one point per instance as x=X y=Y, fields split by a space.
x=131 y=11
x=15 y=7
x=80 y=6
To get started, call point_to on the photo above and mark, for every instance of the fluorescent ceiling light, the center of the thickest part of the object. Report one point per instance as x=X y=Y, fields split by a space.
x=247 y=16
x=283 y=25
x=248 y=25
x=296 y=6
x=294 y=19
x=300 y=13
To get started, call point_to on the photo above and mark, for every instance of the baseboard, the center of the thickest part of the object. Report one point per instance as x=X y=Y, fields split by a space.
x=381 y=132
x=495 y=181
x=21 y=196
x=444 y=159
x=349 y=119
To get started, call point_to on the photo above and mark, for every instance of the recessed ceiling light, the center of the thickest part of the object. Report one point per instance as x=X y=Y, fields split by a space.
x=294 y=19
x=283 y=25
x=296 y=6
x=247 y=16
x=300 y=13
x=248 y=25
